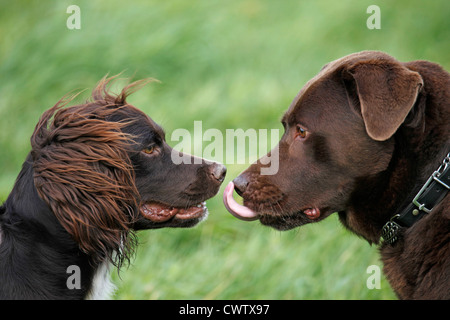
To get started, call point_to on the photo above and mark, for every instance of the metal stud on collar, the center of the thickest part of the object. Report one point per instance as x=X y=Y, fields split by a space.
x=389 y=233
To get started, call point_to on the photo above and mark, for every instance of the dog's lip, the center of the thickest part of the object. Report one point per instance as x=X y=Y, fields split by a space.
x=312 y=213
x=244 y=213
x=159 y=212
x=237 y=210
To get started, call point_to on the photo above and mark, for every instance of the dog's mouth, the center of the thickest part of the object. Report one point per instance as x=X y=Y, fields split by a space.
x=270 y=218
x=158 y=212
x=237 y=210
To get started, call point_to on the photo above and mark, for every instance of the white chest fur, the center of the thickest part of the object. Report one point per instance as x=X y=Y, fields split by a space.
x=102 y=288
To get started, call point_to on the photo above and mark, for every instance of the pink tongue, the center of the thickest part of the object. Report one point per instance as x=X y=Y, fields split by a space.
x=240 y=212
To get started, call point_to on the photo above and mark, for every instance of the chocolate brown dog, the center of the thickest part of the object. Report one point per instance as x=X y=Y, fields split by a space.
x=369 y=138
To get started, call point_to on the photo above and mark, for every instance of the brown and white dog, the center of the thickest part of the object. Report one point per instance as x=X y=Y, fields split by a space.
x=362 y=138
x=96 y=173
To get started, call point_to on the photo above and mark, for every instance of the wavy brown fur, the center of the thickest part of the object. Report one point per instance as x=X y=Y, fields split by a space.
x=82 y=171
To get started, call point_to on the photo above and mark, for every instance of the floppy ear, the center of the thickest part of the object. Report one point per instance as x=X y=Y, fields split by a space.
x=83 y=172
x=387 y=91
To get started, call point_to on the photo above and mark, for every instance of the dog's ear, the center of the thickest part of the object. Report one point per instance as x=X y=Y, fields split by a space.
x=83 y=172
x=386 y=91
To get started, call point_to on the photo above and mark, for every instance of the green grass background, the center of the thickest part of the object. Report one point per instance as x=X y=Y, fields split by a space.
x=231 y=64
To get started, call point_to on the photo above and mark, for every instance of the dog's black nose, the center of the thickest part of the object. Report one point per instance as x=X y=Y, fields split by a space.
x=240 y=184
x=218 y=171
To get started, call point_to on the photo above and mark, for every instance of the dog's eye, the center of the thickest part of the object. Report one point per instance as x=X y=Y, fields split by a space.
x=149 y=150
x=301 y=132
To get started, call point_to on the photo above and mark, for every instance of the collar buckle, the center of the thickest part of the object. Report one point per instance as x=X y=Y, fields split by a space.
x=434 y=177
x=432 y=192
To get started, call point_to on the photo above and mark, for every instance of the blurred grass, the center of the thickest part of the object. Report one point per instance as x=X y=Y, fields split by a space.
x=233 y=64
